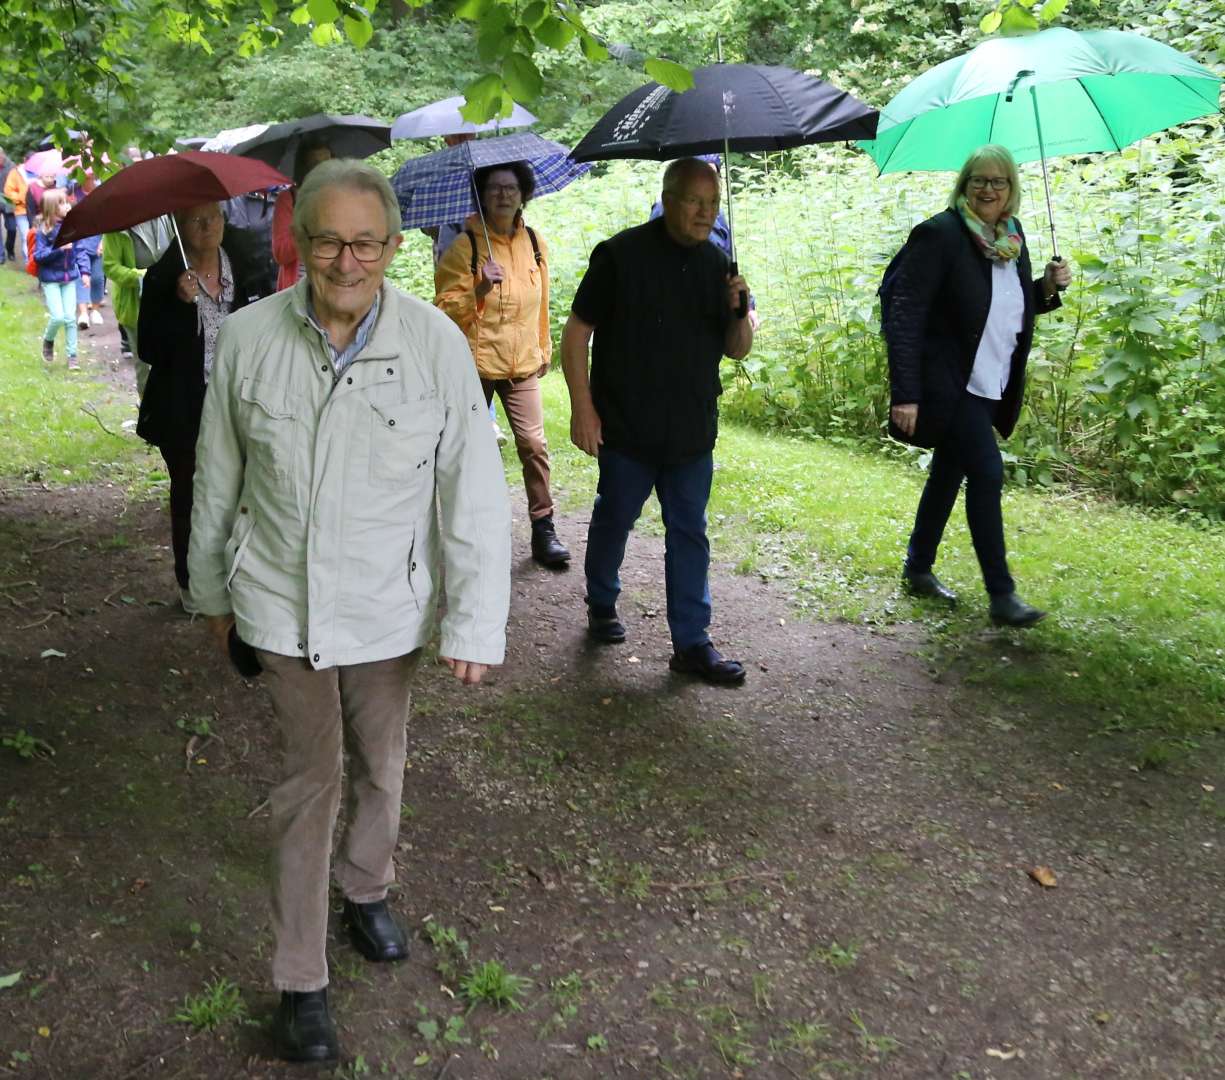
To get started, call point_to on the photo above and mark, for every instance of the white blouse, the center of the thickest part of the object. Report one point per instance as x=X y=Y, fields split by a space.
x=993 y=361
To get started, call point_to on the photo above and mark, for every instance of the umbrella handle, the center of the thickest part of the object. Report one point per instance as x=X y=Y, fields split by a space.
x=742 y=309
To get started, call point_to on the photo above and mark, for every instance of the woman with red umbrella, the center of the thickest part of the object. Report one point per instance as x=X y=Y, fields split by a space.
x=181 y=309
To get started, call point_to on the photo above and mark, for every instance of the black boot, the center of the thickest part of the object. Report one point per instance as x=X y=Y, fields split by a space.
x=373 y=932
x=302 y=1027
x=546 y=548
x=927 y=584
x=1008 y=609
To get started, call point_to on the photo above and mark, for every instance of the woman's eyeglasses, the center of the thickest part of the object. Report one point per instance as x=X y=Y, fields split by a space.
x=996 y=183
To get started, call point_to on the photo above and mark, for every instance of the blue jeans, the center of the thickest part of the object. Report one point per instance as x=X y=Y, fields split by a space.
x=61 y=298
x=683 y=490
x=968 y=450
x=97 y=283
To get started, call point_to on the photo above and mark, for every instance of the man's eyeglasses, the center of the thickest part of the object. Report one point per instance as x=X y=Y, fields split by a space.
x=692 y=202
x=996 y=183
x=205 y=221
x=502 y=189
x=330 y=247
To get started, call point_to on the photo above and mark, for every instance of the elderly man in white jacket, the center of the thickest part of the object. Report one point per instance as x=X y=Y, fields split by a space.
x=344 y=452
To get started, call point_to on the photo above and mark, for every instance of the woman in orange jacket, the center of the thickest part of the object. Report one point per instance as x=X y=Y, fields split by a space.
x=495 y=286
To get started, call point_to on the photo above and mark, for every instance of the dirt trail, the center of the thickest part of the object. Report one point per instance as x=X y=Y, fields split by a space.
x=821 y=874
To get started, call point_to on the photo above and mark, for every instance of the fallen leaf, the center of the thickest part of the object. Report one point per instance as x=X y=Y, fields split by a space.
x=421 y=1059
x=633 y=660
x=496 y=907
x=46 y=654
x=1208 y=788
x=1044 y=876
x=1003 y=1055
x=9 y=980
x=1058 y=786
x=605 y=701
x=45 y=1032
x=1102 y=1017
x=447 y=990
x=137 y=885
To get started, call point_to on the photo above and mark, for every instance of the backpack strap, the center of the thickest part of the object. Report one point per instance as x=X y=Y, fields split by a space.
x=531 y=235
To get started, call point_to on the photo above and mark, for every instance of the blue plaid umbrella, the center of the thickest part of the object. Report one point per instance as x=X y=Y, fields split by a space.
x=437 y=189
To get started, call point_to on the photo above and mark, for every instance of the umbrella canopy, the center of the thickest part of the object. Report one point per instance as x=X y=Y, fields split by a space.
x=225 y=141
x=161 y=185
x=436 y=189
x=348 y=136
x=1090 y=90
x=731 y=107
x=443 y=118
x=48 y=162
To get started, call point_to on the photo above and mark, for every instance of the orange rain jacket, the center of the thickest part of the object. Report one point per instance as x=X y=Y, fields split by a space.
x=508 y=331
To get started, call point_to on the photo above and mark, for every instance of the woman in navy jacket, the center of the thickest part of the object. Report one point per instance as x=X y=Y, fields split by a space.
x=60 y=267
x=959 y=329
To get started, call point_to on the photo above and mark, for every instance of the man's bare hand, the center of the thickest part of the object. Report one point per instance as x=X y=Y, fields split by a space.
x=218 y=627
x=906 y=417
x=735 y=286
x=586 y=431
x=466 y=671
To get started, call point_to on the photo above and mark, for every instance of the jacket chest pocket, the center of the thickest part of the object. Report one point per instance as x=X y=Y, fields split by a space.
x=403 y=441
x=271 y=427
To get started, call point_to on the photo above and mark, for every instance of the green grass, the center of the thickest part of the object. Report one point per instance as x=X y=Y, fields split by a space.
x=45 y=434
x=1135 y=640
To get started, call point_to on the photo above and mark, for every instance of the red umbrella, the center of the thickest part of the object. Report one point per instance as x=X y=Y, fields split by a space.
x=161 y=185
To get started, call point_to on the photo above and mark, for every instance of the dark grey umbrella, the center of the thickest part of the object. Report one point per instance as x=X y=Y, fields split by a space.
x=741 y=107
x=348 y=136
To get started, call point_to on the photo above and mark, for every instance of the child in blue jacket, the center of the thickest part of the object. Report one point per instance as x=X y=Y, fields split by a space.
x=59 y=270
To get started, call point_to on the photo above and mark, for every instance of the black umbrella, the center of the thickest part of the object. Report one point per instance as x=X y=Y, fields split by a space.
x=348 y=136
x=741 y=107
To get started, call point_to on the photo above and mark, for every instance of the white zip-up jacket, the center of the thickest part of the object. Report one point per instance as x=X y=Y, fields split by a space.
x=323 y=505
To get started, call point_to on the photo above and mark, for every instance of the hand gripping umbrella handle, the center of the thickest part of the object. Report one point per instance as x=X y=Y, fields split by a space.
x=742 y=309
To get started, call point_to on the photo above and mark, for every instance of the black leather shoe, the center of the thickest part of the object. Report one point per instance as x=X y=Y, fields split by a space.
x=546 y=548
x=302 y=1027
x=705 y=662
x=1009 y=609
x=928 y=585
x=603 y=625
x=373 y=932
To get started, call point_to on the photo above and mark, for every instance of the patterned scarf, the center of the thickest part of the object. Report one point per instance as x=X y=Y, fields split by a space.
x=1007 y=243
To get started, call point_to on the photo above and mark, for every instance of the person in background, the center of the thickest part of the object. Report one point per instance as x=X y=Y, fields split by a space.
x=959 y=328
x=60 y=267
x=34 y=194
x=250 y=216
x=441 y=238
x=346 y=471
x=181 y=311
x=661 y=303
x=494 y=285
x=119 y=261
x=16 y=188
x=9 y=250
x=311 y=151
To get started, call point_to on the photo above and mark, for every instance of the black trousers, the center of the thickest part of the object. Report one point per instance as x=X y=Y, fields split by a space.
x=181 y=468
x=968 y=451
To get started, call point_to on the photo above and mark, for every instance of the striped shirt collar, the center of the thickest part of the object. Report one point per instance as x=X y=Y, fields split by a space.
x=342 y=358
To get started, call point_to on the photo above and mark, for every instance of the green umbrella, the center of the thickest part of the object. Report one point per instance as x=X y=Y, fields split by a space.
x=1053 y=92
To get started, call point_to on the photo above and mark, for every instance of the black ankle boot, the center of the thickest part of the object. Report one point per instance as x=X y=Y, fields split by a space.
x=302 y=1027
x=546 y=548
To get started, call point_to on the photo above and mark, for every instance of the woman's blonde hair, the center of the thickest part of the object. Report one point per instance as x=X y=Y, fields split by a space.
x=992 y=154
x=48 y=216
